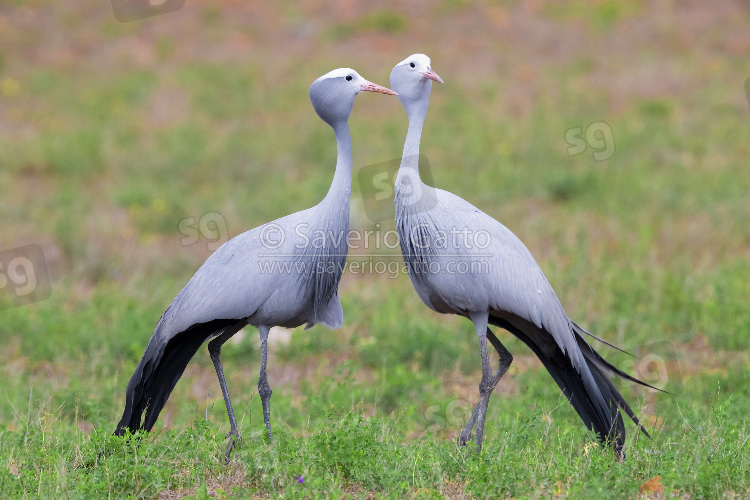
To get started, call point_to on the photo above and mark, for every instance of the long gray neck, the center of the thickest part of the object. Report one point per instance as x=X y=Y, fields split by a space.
x=408 y=183
x=340 y=191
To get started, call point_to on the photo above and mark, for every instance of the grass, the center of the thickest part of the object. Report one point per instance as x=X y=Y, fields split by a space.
x=110 y=142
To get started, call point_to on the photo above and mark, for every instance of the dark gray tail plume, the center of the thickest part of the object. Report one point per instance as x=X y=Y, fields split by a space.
x=596 y=401
x=161 y=367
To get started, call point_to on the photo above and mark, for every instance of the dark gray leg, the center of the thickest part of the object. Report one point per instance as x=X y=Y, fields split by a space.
x=487 y=385
x=214 y=349
x=263 y=388
x=506 y=358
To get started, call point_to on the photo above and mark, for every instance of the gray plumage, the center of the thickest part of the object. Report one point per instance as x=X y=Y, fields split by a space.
x=284 y=273
x=462 y=261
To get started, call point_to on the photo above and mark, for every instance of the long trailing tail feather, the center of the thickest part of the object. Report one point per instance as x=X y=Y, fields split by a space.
x=581 y=331
x=161 y=367
x=594 y=357
x=617 y=397
x=595 y=398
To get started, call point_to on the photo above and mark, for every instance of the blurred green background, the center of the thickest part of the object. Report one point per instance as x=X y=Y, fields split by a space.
x=117 y=140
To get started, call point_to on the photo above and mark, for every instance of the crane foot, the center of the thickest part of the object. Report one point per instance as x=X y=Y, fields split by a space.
x=235 y=441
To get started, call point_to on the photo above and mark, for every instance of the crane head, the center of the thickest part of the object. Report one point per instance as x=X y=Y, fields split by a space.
x=412 y=78
x=333 y=94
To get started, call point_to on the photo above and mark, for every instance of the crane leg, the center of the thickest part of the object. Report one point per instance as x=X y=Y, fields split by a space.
x=478 y=416
x=263 y=388
x=214 y=349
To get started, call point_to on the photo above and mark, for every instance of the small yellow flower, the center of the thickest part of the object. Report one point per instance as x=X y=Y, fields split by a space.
x=9 y=87
x=559 y=490
x=504 y=149
x=159 y=205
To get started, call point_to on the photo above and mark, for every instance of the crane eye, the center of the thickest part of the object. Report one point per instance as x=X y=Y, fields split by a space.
x=348 y=78
x=412 y=65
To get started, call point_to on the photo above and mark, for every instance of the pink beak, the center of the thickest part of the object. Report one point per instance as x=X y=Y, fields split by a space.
x=432 y=75
x=374 y=87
